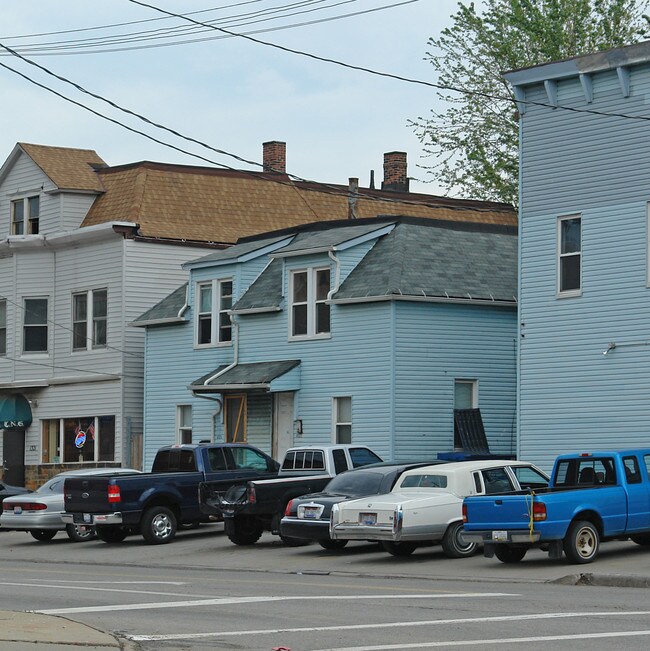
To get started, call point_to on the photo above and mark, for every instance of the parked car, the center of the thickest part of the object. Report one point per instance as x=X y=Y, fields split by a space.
x=157 y=503
x=592 y=497
x=9 y=491
x=249 y=509
x=40 y=511
x=308 y=517
x=425 y=505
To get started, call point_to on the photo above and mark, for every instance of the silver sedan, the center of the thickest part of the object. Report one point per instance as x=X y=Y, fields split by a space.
x=39 y=512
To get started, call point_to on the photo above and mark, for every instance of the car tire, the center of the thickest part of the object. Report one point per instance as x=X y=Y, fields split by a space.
x=110 y=533
x=398 y=548
x=79 y=536
x=453 y=544
x=581 y=542
x=289 y=541
x=243 y=530
x=332 y=545
x=509 y=553
x=187 y=526
x=43 y=535
x=158 y=525
x=641 y=539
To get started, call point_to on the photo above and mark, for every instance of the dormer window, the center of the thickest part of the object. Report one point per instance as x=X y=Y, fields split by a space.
x=25 y=215
x=213 y=324
x=310 y=314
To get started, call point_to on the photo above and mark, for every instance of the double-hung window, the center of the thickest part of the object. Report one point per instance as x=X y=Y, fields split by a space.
x=343 y=420
x=213 y=325
x=35 y=329
x=30 y=208
x=310 y=313
x=3 y=327
x=89 y=317
x=184 y=417
x=570 y=255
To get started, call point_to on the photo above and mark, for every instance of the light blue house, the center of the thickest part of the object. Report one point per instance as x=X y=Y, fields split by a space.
x=368 y=331
x=584 y=380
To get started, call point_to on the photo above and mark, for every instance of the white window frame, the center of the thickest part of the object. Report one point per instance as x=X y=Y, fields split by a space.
x=311 y=303
x=46 y=352
x=28 y=220
x=61 y=441
x=474 y=385
x=3 y=329
x=91 y=319
x=559 y=256
x=335 y=418
x=180 y=428
x=215 y=312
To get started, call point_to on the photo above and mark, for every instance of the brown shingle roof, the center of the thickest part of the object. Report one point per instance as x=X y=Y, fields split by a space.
x=69 y=169
x=204 y=204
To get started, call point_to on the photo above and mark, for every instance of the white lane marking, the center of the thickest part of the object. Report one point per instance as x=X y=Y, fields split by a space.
x=354 y=627
x=501 y=641
x=96 y=581
x=242 y=600
x=78 y=587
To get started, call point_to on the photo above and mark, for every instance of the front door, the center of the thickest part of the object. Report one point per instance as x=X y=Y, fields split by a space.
x=282 y=424
x=13 y=457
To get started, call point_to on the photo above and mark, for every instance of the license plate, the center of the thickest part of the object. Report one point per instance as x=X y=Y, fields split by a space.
x=310 y=513
x=499 y=535
x=18 y=510
x=88 y=518
x=368 y=518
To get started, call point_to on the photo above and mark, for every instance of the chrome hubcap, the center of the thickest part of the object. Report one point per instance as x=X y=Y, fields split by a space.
x=585 y=543
x=161 y=526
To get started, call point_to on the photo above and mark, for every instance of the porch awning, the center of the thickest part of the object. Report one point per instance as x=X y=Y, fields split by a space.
x=283 y=375
x=15 y=412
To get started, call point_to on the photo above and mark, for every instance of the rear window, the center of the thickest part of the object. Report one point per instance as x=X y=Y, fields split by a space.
x=305 y=460
x=424 y=481
x=356 y=483
x=175 y=460
x=586 y=471
x=363 y=457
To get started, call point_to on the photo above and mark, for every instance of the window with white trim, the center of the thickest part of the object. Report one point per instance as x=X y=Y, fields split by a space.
x=35 y=329
x=310 y=313
x=184 y=419
x=465 y=397
x=3 y=327
x=213 y=324
x=343 y=419
x=85 y=439
x=89 y=319
x=569 y=254
x=27 y=208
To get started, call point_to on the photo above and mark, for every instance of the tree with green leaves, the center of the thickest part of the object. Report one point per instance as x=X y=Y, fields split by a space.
x=474 y=140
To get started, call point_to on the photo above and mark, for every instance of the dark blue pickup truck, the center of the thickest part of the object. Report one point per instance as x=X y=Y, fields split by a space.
x=155 y=504
x=592 y=497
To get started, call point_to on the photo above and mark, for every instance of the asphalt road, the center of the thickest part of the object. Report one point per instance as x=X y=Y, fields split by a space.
x=202 y=592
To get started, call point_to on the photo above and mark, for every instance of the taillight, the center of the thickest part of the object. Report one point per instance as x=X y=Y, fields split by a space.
x=539 y=511
x=25 y=506
x=114 y=494
x=464 y=512
x=252 y=498
x=287 y=510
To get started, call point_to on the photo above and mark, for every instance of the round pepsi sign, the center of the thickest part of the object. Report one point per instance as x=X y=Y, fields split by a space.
x=80 y=439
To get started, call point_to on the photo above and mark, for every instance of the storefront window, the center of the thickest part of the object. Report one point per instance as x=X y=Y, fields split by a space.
x=83 y=440
x=51 y=450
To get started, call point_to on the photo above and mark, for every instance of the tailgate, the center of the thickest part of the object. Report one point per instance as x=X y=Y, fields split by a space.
x=497 y=512
x=87 y=495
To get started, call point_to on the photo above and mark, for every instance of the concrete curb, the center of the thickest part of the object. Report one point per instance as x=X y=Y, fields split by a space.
x=607 y=580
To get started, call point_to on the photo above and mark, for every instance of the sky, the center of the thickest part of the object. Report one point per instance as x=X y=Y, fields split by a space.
x=227 y=92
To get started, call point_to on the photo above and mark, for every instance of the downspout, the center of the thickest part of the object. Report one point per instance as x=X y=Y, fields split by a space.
x=213 y=415
x=337 y=274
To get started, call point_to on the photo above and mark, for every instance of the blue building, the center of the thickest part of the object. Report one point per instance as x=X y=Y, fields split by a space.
x=584 y=380
x=368 y=331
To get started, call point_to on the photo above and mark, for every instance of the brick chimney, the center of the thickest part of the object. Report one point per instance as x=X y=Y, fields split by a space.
x=275 y=156
x=395 y=178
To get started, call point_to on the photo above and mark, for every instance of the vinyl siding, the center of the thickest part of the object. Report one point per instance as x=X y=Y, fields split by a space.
x=572 y=397
x=73 y=209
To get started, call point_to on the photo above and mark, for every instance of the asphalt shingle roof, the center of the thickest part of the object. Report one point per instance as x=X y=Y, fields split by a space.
x=266 y=290
x=238 y=250
x=256 y=373
x=168 y=308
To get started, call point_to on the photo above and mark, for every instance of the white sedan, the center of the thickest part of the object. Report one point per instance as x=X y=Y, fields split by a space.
x=425 y=505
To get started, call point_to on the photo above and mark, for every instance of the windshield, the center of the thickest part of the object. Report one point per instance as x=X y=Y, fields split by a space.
x=355 y=483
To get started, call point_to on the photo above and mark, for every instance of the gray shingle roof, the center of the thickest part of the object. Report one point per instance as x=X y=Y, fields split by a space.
x=166 y=309
x=447 y=261
x=258 y=373
x=266 y=290
x=238 y=250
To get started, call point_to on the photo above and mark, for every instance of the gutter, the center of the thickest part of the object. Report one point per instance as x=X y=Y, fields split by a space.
x=424 y=299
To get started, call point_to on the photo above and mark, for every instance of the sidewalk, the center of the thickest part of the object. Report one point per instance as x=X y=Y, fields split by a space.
x=20 y=631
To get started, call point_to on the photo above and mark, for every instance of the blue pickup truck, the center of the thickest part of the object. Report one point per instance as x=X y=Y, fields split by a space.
x=592 y=497
x=156 y=504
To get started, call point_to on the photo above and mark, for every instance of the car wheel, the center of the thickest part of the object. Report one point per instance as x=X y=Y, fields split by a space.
x=186 y=526
x=242 y=530
x=643 y=539
x=110 y=533
x=332 y=544
x=453 y=543
x=509 y=554
x=79 y=533
x=158 y=525
x=581 y=542
x=43 y=535
x=399 y=548
x=289 y=541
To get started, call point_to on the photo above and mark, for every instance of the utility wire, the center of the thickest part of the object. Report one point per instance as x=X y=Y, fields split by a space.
x=59 y=325
x=67 y=368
